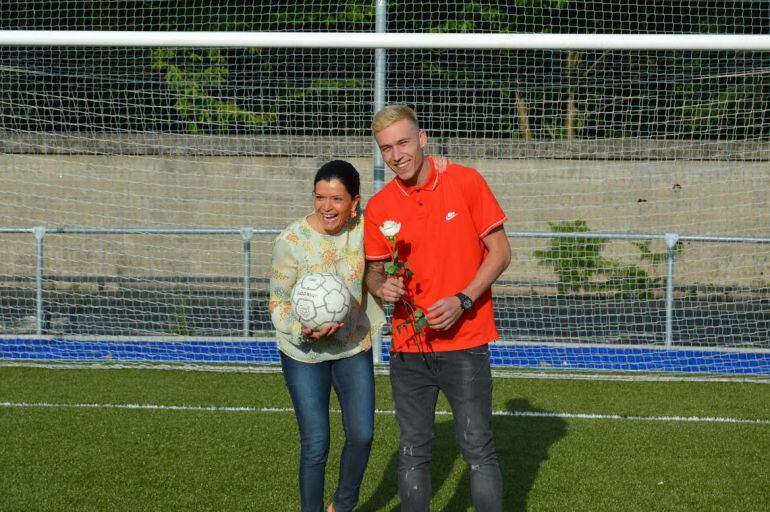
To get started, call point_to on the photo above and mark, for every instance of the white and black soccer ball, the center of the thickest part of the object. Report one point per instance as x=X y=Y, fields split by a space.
x=320 y=299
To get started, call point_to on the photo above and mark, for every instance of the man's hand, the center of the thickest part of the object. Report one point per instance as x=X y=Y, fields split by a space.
x=392 y=289
x=443 y=313
x=326 y=331
x=388 y=289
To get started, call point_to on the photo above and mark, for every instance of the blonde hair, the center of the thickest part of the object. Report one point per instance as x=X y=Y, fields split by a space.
x=390 y=114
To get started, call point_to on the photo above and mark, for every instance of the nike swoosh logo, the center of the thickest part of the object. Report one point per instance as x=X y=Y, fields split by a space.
x=451 y=215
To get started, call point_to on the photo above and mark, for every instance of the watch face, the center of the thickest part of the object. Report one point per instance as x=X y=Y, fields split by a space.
x=465 y=302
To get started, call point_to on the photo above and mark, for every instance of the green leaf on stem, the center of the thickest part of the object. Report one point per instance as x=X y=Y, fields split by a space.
x=403 y=325
x=391 y=269
x=421 y=322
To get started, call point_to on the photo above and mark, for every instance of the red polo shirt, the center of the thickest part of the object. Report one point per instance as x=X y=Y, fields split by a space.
x=442 y=226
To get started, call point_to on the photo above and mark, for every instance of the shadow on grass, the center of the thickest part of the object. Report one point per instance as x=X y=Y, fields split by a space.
x=522 y=445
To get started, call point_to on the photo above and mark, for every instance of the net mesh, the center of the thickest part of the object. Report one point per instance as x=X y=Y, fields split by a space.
x=600 y=141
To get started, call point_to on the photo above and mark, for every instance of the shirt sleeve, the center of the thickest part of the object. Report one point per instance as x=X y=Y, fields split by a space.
x=283 y=276
x=485 y=210
x=375 y=246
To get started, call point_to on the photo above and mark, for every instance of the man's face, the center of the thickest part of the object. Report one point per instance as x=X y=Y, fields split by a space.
x=402 y=144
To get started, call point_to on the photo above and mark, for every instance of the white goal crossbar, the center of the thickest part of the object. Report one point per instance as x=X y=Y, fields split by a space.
x=477 y=41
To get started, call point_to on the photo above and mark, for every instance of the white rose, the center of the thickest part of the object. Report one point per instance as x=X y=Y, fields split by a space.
x=390 y=228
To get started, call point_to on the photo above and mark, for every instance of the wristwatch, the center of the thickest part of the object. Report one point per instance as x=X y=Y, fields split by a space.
x=465 y=302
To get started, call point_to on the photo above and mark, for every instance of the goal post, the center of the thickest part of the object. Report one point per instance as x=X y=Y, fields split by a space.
x=145 y=174
x=376 y=40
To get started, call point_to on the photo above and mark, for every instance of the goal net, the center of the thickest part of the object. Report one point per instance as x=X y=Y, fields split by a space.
x=141 y=186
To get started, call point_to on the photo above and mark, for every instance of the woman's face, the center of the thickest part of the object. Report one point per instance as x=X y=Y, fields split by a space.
x=333 y=205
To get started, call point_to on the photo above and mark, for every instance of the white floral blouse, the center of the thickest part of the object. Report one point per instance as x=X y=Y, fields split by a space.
x=300 y=249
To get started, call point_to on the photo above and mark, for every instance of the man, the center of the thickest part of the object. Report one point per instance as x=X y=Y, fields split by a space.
x=452 y=238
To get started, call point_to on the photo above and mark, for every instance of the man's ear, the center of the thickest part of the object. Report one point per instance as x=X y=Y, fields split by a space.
x=423 y=139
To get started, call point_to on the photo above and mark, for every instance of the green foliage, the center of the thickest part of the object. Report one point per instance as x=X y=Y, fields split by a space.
x=325 y=97
x=656 y=257
x=581 y=267
x=421 y=322
x=197 y=78
x=298 y=17
x=546 y=95
x=477 y=17
x=324 y=87
x=575 y=260
x=733 y=107
x=396 y=267
x=629 y=280
x=181 y=322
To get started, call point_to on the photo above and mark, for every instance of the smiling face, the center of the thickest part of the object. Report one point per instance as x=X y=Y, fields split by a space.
x=334 y=206
x=402 y=145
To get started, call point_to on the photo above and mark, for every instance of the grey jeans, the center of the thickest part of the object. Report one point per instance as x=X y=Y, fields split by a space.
x=466 y=380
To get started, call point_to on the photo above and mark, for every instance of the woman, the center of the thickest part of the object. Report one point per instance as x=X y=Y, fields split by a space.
x=328 y=240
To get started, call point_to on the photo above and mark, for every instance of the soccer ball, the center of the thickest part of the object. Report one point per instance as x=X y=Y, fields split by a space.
x=320 y=299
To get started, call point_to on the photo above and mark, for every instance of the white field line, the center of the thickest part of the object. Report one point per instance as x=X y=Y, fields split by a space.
x=516 y=414
x=383 y=370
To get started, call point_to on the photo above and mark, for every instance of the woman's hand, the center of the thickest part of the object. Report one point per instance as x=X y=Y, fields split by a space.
x=441 y=163
x=326 y=331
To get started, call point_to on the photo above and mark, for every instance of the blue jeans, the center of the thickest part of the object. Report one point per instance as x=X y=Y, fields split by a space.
x=465 y=378
x=310 y=388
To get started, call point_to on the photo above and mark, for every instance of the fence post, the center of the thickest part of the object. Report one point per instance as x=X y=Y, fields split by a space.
x=671 y=240
x=39 y=232
x=246 y=234
x=380 y=88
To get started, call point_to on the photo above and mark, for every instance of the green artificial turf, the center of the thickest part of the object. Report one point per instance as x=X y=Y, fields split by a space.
x=100 y=458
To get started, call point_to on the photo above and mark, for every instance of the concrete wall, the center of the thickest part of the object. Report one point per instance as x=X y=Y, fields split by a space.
x=693 y=197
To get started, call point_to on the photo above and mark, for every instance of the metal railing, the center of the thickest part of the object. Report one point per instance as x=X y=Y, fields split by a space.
x=40 y=233
x=247 y=233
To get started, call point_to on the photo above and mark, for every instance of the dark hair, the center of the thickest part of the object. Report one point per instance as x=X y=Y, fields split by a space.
x=340 y=170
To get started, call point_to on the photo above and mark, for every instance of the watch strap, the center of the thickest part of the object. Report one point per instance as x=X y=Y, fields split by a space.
x=465 y=302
